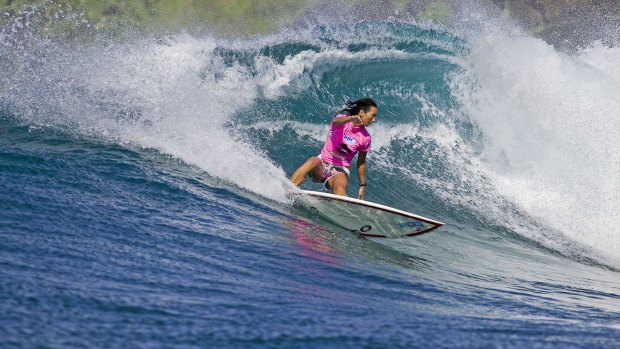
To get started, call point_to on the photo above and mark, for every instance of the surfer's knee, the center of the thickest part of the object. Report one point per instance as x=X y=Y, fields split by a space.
x=340 y=189
x=339 y=184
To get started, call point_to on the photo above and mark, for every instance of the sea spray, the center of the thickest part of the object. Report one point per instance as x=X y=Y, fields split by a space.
x=174 y=95
x=550 y=125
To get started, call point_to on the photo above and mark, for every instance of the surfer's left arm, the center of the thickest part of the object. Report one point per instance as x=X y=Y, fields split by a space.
x=361 y=173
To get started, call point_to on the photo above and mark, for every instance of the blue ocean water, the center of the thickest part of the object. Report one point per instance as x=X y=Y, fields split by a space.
x=143 y=191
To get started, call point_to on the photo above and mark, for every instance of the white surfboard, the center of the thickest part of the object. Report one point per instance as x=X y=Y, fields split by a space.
x=363 y=217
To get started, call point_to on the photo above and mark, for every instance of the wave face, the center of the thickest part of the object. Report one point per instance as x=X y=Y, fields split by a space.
x=168 y=157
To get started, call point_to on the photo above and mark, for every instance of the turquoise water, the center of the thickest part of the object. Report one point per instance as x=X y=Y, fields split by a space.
x=143 y=191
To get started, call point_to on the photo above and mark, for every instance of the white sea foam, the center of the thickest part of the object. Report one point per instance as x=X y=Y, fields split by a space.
x=550 y=123
x=172 y=95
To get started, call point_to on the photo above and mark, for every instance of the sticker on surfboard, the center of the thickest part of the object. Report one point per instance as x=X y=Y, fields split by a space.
x=363 y=217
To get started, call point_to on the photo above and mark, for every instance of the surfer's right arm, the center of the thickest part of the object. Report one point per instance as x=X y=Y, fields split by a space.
x=341 y=120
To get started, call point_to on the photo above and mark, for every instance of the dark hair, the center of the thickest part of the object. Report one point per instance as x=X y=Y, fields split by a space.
x=354 y=107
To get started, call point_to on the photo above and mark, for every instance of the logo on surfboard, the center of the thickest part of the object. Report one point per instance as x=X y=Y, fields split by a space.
x=411 y=225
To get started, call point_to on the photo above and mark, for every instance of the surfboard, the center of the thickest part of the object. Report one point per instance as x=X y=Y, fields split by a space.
x=362 y=217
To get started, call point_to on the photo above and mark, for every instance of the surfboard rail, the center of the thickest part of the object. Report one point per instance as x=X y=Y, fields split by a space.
x=363 y=217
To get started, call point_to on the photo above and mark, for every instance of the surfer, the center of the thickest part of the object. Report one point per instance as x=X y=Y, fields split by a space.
x=347 y=137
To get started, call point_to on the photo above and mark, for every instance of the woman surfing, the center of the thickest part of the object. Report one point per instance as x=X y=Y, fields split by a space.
x=347 y=137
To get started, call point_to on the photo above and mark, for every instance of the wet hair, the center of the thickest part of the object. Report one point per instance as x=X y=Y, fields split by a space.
x=354 y=107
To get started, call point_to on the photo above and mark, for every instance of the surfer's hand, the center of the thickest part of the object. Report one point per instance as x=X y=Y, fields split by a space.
x=356 y=119
x=361 y=193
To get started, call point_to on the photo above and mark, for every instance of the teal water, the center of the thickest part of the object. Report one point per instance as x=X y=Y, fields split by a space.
x=143 y=191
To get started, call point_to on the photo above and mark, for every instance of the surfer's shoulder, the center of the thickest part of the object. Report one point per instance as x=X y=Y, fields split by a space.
x=337 y=120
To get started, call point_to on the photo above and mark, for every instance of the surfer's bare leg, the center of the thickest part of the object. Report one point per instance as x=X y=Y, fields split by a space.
x=311 y=168
x=338 y=183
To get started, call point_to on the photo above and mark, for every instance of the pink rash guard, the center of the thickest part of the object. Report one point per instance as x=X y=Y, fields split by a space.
x=344 y=142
